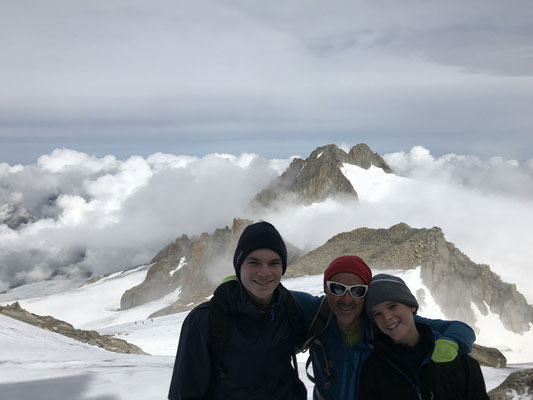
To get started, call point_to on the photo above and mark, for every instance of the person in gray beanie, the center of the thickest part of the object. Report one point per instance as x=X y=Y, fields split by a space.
x=385 y=287
x=400 y=366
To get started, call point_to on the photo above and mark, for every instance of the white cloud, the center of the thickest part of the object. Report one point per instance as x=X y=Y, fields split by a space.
x=64 y=158
x=496 y=176
x=100 y=215
x=113 y=215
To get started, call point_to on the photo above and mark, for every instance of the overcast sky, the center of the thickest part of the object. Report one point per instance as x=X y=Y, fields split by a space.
x=276 y=78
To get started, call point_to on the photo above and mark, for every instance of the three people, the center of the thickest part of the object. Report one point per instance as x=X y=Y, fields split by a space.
x=400 y=366
x=241 y=343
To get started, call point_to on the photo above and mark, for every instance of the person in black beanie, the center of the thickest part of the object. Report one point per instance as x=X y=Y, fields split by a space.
x=400 y=366
x=240 y=344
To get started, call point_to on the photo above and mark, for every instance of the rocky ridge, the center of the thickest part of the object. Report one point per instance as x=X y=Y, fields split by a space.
x=319 y=176
x=518 y=385
x=444 y=270
x=195 y=266
x=93 y=338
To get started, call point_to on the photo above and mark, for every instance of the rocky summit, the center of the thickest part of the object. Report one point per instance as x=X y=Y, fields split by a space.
x=452 y=278
x=319 y=176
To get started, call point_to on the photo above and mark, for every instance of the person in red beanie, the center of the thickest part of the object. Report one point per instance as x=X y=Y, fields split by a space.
x=347 y=273
x=340 y=348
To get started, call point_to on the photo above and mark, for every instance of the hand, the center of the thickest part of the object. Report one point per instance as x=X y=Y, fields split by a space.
x=445 y=351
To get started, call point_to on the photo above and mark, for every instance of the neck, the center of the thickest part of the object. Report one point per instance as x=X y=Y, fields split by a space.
x=351 y=326
x=411 y=339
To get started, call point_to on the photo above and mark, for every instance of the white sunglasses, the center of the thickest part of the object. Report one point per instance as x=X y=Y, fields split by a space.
x=338 y=289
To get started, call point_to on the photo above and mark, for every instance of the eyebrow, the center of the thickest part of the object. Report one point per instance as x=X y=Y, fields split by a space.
x=251 y=258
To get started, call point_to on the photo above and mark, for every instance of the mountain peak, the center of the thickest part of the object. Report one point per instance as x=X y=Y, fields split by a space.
x=365 y=158
x=319 y=176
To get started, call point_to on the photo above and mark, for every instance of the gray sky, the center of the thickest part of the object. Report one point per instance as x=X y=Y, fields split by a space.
x=274 y=78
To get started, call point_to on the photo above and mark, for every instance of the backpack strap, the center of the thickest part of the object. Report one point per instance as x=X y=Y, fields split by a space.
x=318 y=324
x=296 y=323
x=221 y=306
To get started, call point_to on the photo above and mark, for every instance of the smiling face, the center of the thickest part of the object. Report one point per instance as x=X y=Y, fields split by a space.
x=396 y=320
x=346 y=308
x=260 y=274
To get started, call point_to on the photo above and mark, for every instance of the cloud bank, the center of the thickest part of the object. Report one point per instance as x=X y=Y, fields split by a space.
x=71 y=213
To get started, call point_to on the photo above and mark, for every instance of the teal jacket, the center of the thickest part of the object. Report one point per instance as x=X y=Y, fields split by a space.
x=345 y=363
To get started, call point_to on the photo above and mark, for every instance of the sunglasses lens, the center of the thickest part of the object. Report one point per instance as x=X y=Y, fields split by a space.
x=358 y=291
x=337 y=289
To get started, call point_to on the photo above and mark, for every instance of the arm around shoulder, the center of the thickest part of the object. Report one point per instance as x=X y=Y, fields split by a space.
x=308 y=304
x=192 y=367
x=456 y=331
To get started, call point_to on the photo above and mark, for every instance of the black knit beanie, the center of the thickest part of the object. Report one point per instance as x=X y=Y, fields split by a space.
x=260 y=235
x=385 y=287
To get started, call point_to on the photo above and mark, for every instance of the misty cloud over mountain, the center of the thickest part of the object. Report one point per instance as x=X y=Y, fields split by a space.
x=71 y=213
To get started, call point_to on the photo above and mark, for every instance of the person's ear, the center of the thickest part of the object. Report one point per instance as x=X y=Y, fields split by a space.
x=413 y=309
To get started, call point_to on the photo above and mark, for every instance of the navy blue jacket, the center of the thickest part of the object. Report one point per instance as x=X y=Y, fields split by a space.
x=257 y=356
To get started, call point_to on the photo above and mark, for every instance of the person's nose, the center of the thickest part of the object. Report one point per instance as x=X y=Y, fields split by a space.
x=347 y=296
x=264 y=269
x=386 y=315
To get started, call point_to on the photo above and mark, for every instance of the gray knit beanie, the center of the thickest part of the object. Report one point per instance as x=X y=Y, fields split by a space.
x=385 y=287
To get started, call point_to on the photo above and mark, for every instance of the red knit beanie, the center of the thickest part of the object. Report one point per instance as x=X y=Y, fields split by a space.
x=351 y=264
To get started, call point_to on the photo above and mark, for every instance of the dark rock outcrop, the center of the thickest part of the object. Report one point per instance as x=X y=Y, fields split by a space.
x=453 y=279
x=319 y=176
x=488 y=356
x=93 y=338
x=517 y=385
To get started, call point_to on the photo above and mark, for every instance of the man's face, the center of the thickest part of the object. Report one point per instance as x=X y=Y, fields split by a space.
x=346 y=308
x=396 y=320
x=261 y=273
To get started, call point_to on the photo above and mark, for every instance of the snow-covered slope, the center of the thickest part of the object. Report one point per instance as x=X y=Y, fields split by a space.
x=96 y=305
x=35 y=363
x=38 y=364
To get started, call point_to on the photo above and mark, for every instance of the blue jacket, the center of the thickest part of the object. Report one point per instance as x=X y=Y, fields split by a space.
x=345 y=363
x=256 y=357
